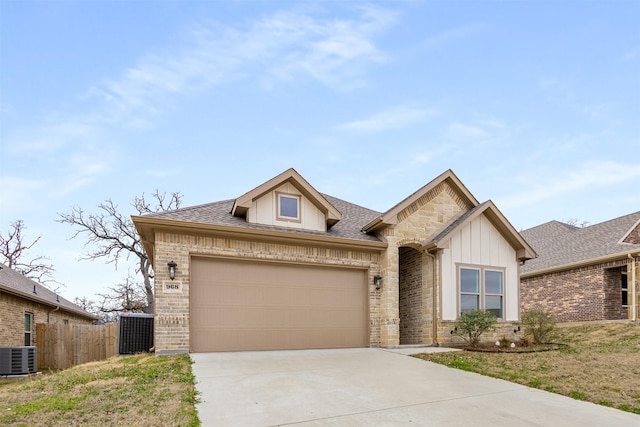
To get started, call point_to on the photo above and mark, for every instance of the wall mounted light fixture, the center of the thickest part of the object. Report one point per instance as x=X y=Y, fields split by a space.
x=172 y=269
x=377 y=280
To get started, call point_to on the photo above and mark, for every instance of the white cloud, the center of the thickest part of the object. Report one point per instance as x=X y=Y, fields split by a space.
x=465 y=132
x=54 y=137
x=544 y=185
x=277 y=48
x=631 y=55
x=448 y=36
x=17 y=195
x=397 y=118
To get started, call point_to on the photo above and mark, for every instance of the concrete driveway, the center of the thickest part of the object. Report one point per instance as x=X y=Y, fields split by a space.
x=373 y=387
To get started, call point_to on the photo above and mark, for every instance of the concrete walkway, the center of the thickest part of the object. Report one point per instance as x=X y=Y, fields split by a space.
x=374 y=387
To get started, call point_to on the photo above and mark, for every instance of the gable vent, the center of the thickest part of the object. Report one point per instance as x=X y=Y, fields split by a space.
x=18 y=360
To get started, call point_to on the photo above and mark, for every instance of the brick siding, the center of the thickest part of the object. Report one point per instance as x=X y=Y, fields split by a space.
x=410 y=296
x=581 y=294
x=12 y=310
x=172 y=309
x=634 y=236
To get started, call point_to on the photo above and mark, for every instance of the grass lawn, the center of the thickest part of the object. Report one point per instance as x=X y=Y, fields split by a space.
x=601 y=365
x=139 y=390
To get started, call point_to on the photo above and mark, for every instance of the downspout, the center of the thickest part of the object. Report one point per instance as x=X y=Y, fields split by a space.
x=634 y=287
x=51 y=311
x=434 y=302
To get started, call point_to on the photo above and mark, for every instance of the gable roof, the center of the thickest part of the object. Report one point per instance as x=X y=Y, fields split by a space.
x=15 y=283
x=390 y=217
x=242 y=204
x=217 y=217
x=357 y=225
x=563 y=246
x=523 y=250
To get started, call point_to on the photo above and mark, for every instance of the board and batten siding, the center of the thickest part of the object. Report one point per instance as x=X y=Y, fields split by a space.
x=479 y=243
x=263 y=211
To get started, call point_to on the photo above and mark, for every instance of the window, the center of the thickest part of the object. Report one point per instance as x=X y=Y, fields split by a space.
x=288 y=207
x=482 y=288
x=28 y=317
x=625 y=290
x=469 y=289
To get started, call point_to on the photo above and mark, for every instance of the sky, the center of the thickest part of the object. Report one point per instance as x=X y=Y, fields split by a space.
x=533 y=104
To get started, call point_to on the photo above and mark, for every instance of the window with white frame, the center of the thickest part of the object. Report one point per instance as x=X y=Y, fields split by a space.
x=28 y=324
x=625 y=290
x=288 y=207
x=481 y=288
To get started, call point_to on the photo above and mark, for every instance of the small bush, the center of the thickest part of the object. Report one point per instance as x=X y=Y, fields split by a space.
x=539 y=324
x=472 y=324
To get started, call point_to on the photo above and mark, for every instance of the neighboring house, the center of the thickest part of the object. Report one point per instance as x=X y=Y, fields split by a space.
x=584 y=273
x=23 y=303
x=286 y=267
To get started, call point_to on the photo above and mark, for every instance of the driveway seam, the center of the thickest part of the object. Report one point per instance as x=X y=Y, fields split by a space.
x=409 y=405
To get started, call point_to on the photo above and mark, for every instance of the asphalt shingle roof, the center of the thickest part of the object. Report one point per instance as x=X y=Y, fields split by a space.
x=559 y=244
x=354 y=218
x=24 y=286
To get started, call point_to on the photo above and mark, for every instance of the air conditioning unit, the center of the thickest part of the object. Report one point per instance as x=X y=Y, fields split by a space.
x=18 y=360
x=136 y=333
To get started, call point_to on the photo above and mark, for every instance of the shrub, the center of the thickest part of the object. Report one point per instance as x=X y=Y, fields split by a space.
x=539 y=324
x=472 y=324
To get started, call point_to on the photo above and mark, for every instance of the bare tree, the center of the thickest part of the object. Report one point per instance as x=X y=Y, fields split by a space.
x=127 y=296
x=13 y=253
x=112 y=235
x=576 y=222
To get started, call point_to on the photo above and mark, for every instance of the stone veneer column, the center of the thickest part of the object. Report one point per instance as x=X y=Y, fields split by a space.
x=389 y=298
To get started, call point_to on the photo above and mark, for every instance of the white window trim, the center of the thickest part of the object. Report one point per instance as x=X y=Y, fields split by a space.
x=626 y=289
x=298 y=199
x=30 y=332
x=483 y=294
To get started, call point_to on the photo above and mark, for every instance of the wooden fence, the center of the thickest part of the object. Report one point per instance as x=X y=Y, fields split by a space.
x=60 y=346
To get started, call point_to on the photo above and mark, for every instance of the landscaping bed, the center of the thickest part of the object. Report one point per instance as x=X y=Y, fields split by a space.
x=520 y=347
x=597 y=363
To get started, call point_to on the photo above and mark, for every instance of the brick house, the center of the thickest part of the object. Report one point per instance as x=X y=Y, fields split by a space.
x=286 y=267
x=584 y=273
x=23 y=303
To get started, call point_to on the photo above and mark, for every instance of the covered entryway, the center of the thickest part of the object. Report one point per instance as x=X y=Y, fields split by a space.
x=258 y=305
x=410 y=296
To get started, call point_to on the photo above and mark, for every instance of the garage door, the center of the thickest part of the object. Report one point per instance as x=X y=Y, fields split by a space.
x=242 y=305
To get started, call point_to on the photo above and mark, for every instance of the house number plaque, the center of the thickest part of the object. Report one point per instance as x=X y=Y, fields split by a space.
x=172 y=287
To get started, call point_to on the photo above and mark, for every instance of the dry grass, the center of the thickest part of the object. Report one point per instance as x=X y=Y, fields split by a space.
x=139 y=390
x=601 y=365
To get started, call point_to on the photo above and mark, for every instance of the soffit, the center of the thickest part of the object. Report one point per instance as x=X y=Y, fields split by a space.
x=523 y=250
x=242 y=204
x=390 y=217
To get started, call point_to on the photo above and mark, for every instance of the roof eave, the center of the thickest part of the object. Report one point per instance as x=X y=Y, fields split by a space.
x=242 y=204
x=148 y=226
x=523 y=250
x=46 y=302
x=581 y=263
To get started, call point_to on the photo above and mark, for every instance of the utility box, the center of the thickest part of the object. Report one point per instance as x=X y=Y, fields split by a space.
x=135 y=333
x=18 y=360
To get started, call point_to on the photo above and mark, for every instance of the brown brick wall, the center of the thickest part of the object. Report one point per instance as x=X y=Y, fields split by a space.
x=582 y=294
x=172 y=309
x=634 y=236
x=613 y=308
x=12 y=310
x=416 y=223
x=410 y=296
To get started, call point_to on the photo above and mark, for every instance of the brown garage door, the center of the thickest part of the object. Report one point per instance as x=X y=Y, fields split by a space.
x=248 y=305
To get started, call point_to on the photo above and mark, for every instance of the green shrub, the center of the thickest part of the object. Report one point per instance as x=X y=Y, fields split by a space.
x=472 y=324
x=539 y=324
